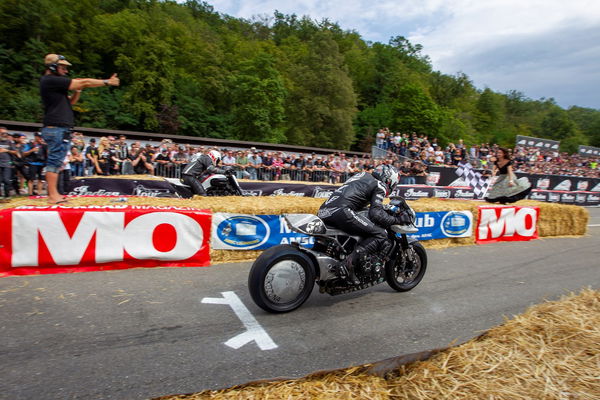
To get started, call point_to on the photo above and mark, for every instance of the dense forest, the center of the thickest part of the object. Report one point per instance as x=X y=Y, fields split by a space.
x=186 y=69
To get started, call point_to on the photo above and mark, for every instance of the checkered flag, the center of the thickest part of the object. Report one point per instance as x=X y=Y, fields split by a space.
x=473 y=179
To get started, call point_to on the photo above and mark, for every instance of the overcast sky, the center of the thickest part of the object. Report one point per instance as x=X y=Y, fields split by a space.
x=543 y=48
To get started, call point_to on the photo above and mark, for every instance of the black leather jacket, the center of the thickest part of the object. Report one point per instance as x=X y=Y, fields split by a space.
x=359 y=191
x=200 y=166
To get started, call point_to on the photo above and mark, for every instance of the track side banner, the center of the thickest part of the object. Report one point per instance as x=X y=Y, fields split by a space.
x=253 y=232
x=443 y=224
x=55 y=239
x=506 y=223
x=259 y=232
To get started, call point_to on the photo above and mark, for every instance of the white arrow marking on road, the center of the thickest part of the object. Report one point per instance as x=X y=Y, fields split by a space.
x=254 y=332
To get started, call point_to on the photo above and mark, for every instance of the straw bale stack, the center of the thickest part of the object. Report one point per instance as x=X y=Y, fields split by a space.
x=559 y=219
x=552 y=351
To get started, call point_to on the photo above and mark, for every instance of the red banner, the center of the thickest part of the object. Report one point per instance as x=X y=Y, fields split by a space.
x=506 y=223
x=56 y=239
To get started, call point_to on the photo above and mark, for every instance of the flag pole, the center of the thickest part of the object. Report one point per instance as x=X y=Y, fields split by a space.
x=486 y=190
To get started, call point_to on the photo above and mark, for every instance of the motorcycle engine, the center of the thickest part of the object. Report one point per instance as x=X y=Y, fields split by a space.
x=370 y=269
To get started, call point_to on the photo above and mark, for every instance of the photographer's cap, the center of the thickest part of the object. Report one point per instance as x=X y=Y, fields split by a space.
x=56 y=59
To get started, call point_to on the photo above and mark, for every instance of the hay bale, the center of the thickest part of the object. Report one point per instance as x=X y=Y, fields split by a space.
x=560 y=219
x=233 y=256
x=552 y=351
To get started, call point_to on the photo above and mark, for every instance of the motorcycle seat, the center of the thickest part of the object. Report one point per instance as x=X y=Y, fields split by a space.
x=335 y=232
x=331 y=231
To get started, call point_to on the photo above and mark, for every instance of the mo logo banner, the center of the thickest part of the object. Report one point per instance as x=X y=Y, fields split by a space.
x=507 y=224
x=71 y=239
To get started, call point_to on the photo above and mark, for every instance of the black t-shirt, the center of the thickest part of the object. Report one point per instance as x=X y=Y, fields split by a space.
x=37 y=157
x=163 y=157
x=54 y=90
x=406 y=170
x=299 y=162
x=92 y=151
x=503 y=170
x=113 y=153
x=104 y=155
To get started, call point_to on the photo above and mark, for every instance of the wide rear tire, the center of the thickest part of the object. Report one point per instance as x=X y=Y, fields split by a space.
x=403 y=277
x=281 y=279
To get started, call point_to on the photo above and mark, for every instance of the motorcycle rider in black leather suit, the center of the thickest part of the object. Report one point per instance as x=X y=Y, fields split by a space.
x=203 y=165
x=340 y=211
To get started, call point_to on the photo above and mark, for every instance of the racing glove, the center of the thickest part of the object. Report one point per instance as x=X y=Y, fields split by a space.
x=403 y=219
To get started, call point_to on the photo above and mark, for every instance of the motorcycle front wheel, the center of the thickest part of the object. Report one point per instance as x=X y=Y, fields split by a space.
x=404 y=273
x=281 y=279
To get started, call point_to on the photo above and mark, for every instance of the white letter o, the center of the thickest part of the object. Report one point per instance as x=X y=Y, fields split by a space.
x=519 y=220
x=137 y=236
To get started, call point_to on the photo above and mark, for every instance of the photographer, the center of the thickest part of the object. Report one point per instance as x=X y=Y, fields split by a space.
x=141 y=162
x=58 y=114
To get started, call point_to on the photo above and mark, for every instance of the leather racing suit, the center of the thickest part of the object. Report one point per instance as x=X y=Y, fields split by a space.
x=196 y=170
x=340 y=211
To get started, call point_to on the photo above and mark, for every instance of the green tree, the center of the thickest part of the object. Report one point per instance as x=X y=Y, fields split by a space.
x=588 y=123
x=489 y=118
x=557 y=125
x=321 y=102
x=258 y=96
x=415 y=111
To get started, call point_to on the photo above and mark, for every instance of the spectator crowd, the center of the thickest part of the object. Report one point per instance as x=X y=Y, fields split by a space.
x=112 y=155
x=418 y=152
x=22 y=160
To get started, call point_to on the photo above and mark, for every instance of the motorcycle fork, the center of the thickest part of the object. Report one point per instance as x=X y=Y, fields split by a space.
x=404 y=241
x=402 y=251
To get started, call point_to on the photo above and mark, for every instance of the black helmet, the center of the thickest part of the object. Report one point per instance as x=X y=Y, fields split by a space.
x=388 y=175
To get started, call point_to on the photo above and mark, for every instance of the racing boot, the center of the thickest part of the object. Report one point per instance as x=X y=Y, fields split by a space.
x=350 y=262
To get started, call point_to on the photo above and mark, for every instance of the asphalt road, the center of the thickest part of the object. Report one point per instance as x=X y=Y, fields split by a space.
x=143 y=333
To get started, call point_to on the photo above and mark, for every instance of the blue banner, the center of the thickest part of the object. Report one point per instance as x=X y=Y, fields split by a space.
x=443 y=224
x=259 y=232
x=253 y=232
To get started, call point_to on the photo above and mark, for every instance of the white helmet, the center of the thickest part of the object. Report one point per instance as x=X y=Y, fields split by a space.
x=215 y=156
x=388 y=175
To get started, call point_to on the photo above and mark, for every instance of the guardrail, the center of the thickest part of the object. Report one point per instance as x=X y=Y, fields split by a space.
x=265 y=173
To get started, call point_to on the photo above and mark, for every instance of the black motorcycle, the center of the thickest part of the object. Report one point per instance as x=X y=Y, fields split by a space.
x=214 y=185
x=283 y=276
x=222 y=185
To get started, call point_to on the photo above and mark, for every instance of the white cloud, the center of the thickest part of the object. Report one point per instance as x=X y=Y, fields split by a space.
x=543 y=48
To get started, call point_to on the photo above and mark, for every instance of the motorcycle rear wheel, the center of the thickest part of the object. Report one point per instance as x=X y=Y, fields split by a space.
x=281 y=279
x=403 y=277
